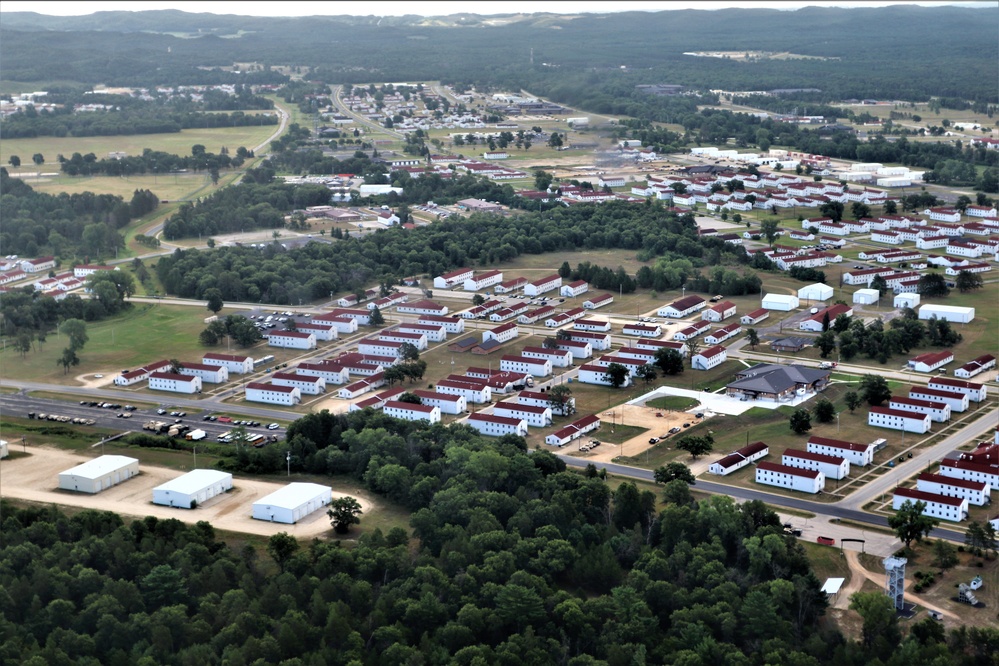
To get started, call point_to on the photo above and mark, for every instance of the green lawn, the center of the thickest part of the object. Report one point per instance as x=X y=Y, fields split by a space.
x=144 y=334
x=63 y=435
x=672 y=402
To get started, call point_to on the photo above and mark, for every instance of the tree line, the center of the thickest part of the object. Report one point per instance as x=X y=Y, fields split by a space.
x=83 y=225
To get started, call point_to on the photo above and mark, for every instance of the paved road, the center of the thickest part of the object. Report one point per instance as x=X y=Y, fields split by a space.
x=834 y=511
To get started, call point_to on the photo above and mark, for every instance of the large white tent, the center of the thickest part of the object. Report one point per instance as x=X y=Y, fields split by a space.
x=99 y=474
x=953 y=313
x=292 y=503
x=780 y=302
x=195 y=487
x=816 y=292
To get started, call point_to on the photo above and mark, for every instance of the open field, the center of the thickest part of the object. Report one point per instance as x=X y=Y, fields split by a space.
x=177 y=143
x=144 y=334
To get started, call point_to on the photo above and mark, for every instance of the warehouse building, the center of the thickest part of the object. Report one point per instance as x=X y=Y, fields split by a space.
x=194 y=488
x=99 y=474
x=292 y=503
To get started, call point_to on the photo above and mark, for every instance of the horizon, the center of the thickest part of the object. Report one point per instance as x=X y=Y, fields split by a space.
x=393 y=8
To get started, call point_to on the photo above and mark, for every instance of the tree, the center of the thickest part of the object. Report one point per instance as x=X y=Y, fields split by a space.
x=891 y=208
x=375 y=317
x=647 y=373
x=752 y=338
x=825 y=411
x=38 y=159
x=542 y=179
x=932 y=284
x=874 y=389
x=800 y=421
x=980 y=538
x=22 y=343
x=944 y=554
x=696 y=446
x=68 y=359
x=616 y=374
x=213 y=297
x=967 y=281
x=880 y=620
x=411 y=398
x=769 y=229
x=852 y=400
x=880 y=284
x=669 y=361
x=344 y=512
x=561 y=401
x=409 y=352
x=550 y=342
x=281 y=547
x=76 y=331
x=565 y=270
x=478 y=299
x=826 y=343
x=673 y=471
x=860 y=210
x=14 y=161
x=910 y=524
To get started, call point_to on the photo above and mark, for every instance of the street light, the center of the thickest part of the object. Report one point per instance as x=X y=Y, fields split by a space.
x=288 y=458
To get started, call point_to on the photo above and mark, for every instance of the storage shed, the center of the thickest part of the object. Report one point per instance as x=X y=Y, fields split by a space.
x=195 y=487
x=816 y=292
x=292 y=503
x=99 y=474
x=908 y=300
x=781 y=302
x=866 y=296
x=952 y=313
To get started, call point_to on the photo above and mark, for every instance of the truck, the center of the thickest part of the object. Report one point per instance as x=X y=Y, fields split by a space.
x=827 y=365
x=196 y=435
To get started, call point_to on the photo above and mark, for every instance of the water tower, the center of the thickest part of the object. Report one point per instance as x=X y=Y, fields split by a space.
x=895 y=584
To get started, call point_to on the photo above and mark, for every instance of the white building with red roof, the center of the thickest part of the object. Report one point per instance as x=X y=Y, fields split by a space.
x=574 y=288
x=739 y=458
x=408 y=411
x=453 y=278
x=483 y=280
x=643 y=330
x=324 y=331
x=955 y=401
x=937 y=506
x=709 y=358
x=833 y=467
x=292 y=340
x=754 y=317
x=536 y=416
x=141 y=374
x=976 y=366
x=212 y=374
x=543 y=286
x=332 y=373
x=272 y=394
x=930 y=361
x=445 y=402
x=937 y=411
x=592 y=373
x=682 y=307
x=791 y=478
x=497 y=426
x=234 y=363
x=171 y=381
x=309 y=384
x=976 y=392
x=559 y=358
x=574 y=430
x=474 y=391
x=976 y=492
x=424 y=307
x=598 y=301
x=857 y=454
x=896 y=419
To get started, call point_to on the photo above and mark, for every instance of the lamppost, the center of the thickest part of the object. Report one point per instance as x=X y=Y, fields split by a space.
x=288 y=458
x=195 y=457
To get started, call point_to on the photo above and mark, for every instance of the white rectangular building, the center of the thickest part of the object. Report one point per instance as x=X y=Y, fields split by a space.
x=194 y=488
x=833 y=467
x=538 y=417
x=780 y=302
x=952 y=313
x=445 y=402
x=273 y=394
x=976 y=492
x=213 y=374
x=99 y=474
x=866 y=296
x=170 y=381
x=884 y=417
x=937 y=506
x=957 y=402
x=856 y=454
x=234 y=363
x=792 y=478
x=596 y=374
x=536 y=367
x=497 y=426
x=543 y=286
x=408 y=411
x=308 y=384
x=976 y=392
x=292 y=503
x=970 y=471
x=709 y=358
x=292 y=340
x=739 y=459
x=936 y=410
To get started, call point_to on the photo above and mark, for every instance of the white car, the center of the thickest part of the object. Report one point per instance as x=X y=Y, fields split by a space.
x=273 y=426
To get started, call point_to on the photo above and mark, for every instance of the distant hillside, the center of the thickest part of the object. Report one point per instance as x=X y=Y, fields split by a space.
x=960 y=58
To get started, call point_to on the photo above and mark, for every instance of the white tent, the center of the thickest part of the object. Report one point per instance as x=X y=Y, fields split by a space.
x=816 y=292
x=292 y=503
x=781 y=302
x=907 y=300
x=193 y=488
x=953 y=313
x=866 y=296
x=99 y=474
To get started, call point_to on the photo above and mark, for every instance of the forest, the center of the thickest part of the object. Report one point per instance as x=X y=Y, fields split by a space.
x=83 y=225
x=277 y=275
x=630 y=47
x=511 y=559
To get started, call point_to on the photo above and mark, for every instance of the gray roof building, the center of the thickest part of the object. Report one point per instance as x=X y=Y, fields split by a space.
x=776 y=382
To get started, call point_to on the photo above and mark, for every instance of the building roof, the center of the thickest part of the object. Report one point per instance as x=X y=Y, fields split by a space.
x=923 y=496
x=816 y=457
x=770 y=378
x=266 y=386
x=194 y=481
x=838 y=444
x=226 y=357
x=409 y=406
x=951 y=481
x=685 y=303
x=98 y=467
x=900 y=413
x=172 y=375
x=293 y=495
x=932 y=358
x=290 y=334
x=785 y=469
x=957 y=383
x=916 y=402
x=492 y=418
x=711 y=352
x=294 y=377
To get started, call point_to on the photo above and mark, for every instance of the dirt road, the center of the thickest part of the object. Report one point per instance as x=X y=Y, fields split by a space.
x=36 y=478
x=857 y=575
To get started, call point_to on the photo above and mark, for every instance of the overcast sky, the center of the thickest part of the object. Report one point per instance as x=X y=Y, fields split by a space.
x=436 y=7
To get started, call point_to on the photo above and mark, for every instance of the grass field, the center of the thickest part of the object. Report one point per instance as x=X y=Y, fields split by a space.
x=63 y=435
x=674 y=402
x=177 y=143
x=144 y=334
